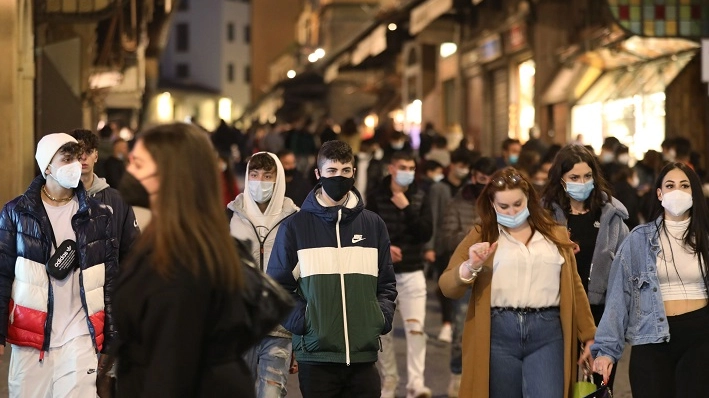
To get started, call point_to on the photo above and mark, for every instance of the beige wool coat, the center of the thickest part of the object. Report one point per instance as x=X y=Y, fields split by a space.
x=576 y=319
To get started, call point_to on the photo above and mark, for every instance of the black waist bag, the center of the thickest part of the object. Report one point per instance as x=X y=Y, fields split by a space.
x=64 y=260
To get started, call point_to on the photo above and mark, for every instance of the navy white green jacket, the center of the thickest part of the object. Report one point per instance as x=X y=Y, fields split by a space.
x=336 y=263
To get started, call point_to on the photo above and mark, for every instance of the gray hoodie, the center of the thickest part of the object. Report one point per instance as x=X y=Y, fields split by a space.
x=611 y=234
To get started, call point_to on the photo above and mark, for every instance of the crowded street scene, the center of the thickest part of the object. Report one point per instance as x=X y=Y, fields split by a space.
x=354 y=199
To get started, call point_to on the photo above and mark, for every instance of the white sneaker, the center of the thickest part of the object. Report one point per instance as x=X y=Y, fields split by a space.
x=389 y=388
x=446 y=333
x=421 y=392
x=454 y=386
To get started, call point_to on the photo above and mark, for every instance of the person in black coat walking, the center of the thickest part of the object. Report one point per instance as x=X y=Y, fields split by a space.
x=178 y=305
x=407 y=214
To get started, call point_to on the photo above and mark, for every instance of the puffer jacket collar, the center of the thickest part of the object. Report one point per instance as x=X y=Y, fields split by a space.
x=31 y=202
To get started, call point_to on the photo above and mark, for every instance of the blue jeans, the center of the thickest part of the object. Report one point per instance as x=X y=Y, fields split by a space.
x=460 y=310
x=269 y=362
x=526 y=354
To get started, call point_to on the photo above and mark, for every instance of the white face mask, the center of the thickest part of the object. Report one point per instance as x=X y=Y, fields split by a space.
x=68 y=176
x=437 y=177
x=677 y=202
x=261 y=191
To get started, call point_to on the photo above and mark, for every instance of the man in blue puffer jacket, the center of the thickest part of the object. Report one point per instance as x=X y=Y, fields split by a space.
x=57 y=268
x=334 y=257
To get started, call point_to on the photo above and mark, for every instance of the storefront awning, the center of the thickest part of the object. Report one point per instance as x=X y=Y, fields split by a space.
x=426 y=13
x=640 y=79
x=635 y=66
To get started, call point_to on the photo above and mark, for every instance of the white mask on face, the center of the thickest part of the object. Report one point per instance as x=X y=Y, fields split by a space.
x=68 y=176
x=677 y=202
x=261 y=191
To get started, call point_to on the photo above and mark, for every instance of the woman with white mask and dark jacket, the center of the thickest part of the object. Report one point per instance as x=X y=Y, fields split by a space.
x=657 y=295
x=257 y=214
x=579 y=198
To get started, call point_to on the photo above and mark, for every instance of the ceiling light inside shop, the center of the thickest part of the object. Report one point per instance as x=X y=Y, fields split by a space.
x=392 y=27
x=319 y=53
x=448 y=49
x=290 y=74
x=312 y=58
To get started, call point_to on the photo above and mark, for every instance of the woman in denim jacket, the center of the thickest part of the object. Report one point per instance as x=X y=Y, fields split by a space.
x=657 y=295
x=579 y=198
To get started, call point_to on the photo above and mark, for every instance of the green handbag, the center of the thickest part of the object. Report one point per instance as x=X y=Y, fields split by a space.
x=584 y=387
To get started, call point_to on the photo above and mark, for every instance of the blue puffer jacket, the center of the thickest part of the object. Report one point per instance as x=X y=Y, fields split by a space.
x=336 y=262
x=26 y=298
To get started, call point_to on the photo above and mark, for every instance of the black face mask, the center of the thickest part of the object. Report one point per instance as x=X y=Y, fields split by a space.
x=133 y=192
x=337 y=187
x=478 y=189
x=289 y=173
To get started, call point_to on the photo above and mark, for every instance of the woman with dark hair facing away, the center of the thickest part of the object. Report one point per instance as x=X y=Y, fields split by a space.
x=528 y=310
x=177 y=304
x=657 y=295
x=579 y=198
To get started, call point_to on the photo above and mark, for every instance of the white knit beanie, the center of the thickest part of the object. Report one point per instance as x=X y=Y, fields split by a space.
x=48 y=146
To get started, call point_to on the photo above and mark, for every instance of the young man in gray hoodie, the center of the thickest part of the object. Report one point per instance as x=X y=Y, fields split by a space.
x=124 y=221
x=257 y=214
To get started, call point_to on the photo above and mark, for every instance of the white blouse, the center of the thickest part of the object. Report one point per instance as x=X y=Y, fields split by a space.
x=526 y=276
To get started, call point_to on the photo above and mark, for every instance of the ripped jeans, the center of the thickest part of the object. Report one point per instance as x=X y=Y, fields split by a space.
x=269 y=361
x=411 y=305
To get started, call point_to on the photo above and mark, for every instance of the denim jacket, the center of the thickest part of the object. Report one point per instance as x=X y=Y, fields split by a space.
x=635 y=312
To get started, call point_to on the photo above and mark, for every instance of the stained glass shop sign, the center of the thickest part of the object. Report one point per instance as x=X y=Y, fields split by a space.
x=663 y=18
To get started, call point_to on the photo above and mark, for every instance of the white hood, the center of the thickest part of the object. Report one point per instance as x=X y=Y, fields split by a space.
x=277 y=206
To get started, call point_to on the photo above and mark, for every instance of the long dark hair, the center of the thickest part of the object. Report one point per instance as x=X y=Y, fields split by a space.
x=564 y=161
x=696 y=236
x=188 y=227
x=506 y=179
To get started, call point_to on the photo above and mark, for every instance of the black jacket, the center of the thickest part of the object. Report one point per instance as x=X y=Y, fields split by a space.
x=124 y=223
x=179 y=337
x=409 y=228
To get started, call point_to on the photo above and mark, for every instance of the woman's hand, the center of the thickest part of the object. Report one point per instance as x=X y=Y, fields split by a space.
x=603 y=366
x=586 y=354
x=479 y=252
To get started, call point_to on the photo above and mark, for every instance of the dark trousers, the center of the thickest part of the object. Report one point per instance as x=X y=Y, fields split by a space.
x=323 y=380
x=446 y=303
x=678 y=368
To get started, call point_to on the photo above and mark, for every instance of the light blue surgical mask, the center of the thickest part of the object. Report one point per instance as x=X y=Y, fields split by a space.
x=579 y=191
x=513 y=221
x=404 y=178
x=513 y=159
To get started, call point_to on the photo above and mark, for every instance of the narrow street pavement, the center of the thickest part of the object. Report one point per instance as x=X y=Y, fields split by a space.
x=437 y=359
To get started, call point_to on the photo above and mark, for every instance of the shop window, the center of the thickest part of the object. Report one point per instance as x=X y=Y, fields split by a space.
x=247 y=74
x=525 y=113
x=247 y=34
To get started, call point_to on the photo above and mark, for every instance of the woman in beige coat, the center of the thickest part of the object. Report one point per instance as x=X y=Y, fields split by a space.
x=528 y=309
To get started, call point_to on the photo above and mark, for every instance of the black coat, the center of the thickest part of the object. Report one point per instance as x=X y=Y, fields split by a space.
x=409 y=228
x=178 y=337
x=124 y=223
